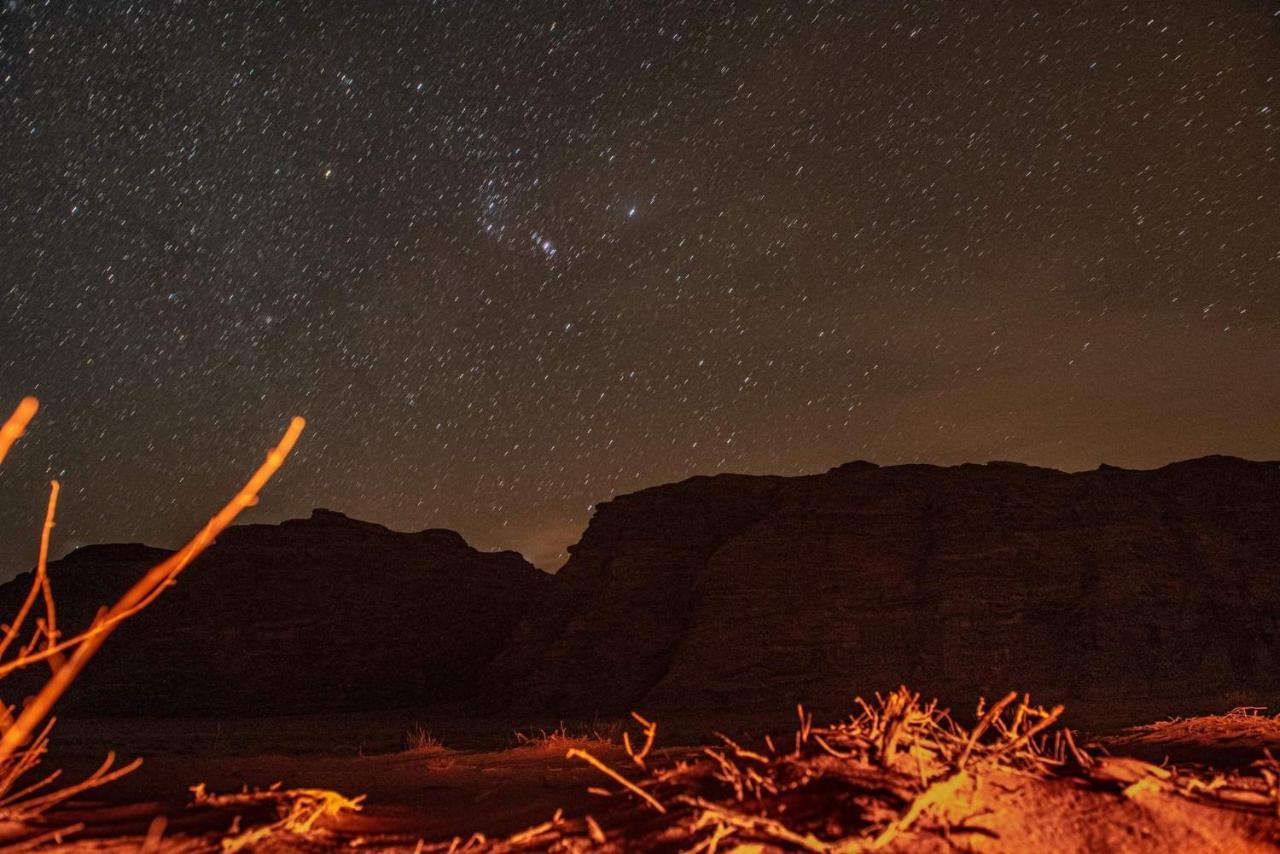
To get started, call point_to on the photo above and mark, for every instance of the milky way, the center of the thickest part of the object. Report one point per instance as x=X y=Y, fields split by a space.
x=511 y=259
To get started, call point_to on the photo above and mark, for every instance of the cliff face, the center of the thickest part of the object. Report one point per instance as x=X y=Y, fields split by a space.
x=608 y=629
x=1127 y=595
x=313 y=614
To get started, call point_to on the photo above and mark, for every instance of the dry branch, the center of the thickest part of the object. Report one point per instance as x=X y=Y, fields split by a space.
x=650 y=733
x=585 y=756
x=16 y=424
x=24 y=739
x=297 y=811
x=139 y=596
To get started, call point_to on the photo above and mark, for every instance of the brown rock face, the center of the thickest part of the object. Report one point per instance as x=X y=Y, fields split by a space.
x=1127 y=595
x=315 y=614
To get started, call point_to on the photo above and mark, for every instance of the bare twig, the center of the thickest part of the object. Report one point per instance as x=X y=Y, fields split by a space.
x=585 y=756
x=42 y=573
x=650 y=733
x=983 y=724
x=39 y=581
x=16 y=424
x=141 y=594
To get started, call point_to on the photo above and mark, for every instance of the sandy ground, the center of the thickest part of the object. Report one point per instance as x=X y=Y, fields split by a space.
x=495 y=776
x=436 y=794
x=433 y=795
x=1222 y=741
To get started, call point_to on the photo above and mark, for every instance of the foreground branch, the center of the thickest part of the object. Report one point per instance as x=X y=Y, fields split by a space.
x=139 y=596
x=17 y=424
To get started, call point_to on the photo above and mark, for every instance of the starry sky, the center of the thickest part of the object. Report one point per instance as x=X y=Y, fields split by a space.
x=513 y=258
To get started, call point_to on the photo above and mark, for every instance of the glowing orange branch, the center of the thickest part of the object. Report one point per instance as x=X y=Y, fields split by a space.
x=17 y=424
x=28 y=759
x=140 y=595
x=39 y=582
x=104 y=775
x=42 y=571
x=650 y=732
x=299 y=810
x=992 y=714
x=576 y=753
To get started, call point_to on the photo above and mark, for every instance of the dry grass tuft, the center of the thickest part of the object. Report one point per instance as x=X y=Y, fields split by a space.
x=563 y=737
x=420 y=740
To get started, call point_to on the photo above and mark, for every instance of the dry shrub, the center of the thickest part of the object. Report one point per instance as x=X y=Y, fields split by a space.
x=420 y=740
x=897 y=772
x=564 y=737
x=24 y=732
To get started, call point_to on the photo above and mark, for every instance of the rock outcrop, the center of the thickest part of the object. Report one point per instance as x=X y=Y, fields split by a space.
x=318 y=614
x=1127 y=595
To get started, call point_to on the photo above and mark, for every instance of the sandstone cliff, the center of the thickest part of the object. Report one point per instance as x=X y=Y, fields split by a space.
x=313 y=614
x=1128 y=595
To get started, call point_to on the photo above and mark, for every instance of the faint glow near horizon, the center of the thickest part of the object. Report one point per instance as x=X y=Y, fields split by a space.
x=511 y=263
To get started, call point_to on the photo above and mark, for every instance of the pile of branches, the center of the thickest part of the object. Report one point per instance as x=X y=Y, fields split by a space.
x=33 y=639
x=901 y=770
x=1255 y=788
x=898 y=766
x=296 y=812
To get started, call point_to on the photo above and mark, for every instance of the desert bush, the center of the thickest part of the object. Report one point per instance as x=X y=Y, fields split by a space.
x=564 y=736
x=420 y=740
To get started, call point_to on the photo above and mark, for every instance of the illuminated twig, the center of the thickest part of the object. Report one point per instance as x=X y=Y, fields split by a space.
x=532 y=833
x=595 y=831
x=42 y=572
x=650 y=733
x=1047 y=721
x=17 y=424
x=806 y=726
x=39 y=582
x=756 y=824
x=102 y=776
x=298 y=810
x=991 y=715
x=17 y=796
x=40 y=841
x=575 y=753
x=28 y=759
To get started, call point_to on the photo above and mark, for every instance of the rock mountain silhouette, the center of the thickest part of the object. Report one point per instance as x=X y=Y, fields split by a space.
x=318 y=614
x=1127 y=595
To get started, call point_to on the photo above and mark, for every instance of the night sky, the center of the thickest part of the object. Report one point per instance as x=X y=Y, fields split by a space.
x=513 y=258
